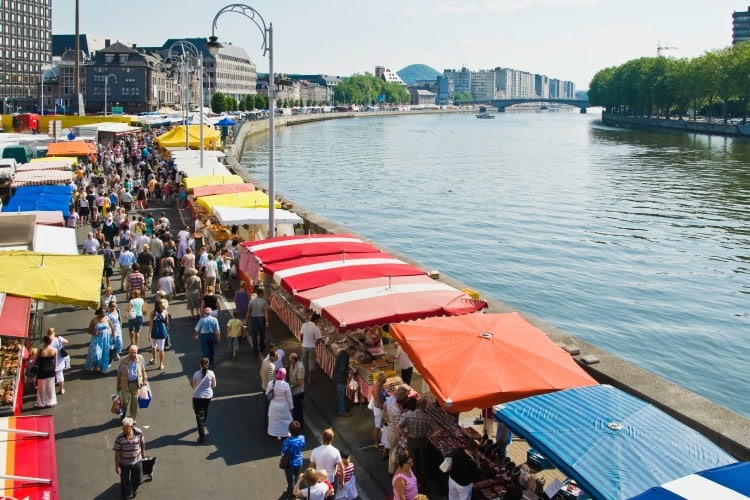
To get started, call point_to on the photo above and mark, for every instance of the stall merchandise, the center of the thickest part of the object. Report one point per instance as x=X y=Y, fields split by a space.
x=14 y=331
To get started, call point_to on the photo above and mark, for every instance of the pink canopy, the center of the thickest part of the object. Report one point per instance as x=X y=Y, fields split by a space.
x=222 y=189
x=298 y=275
x=294 y=247
x=369 y=302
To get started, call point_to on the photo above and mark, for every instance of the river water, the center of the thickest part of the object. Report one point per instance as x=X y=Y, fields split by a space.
x=637 y=242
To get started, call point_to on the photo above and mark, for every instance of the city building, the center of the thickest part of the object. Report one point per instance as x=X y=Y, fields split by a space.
x=741 y=26
x=483 y=85
x=421 y=97
x=445 y=91
x=25 y=49
x=461 y=80
x=387 y=75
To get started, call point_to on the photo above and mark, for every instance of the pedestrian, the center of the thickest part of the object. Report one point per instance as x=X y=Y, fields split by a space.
x=131 y=376
x=310 y=334
x=126 y=261
x=102 y=333
x=280 y=406
x=136 y=281
x=234 y=328
x=210 y=272
x=147 y=263
x=415 y=425
x=379 y=395
x=45 y=385
x=136 y=310
x=107 y=297
x=293 y=444
x=404 y=364
x=340 y=377
x=61 y=362
x=211 y=300
x=326 y=456
x=346 y=481
x=464 y=471
x=258 y=312
x=313 y=489
x=242 y=300
x=109 y=264
x=267 y=373
x=204 y=383
x=159 y=332
x=392 y=411
x=297 y=383
x=404 y=481
x=209 y=333
x=114 y=316
x=130 y=449
x=166 y=284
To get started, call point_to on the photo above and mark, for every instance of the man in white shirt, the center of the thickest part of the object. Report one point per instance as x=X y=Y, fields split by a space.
x=211 y=270
x=404 y=364
x=327 y=457
x=310 y=334
x=91 y=245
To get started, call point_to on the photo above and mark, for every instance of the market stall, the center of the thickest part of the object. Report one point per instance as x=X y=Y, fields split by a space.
x=27 y=455
x=47 y=163
x=254 y=221
x=727 y=481
x=209 y=190
x=176 y=137
x=42 y=197
x=41 y=217
x=50 y=239
x=611 y=443
x=71 y=148
x=15 y=313
x=193 y=182
x=41 y=177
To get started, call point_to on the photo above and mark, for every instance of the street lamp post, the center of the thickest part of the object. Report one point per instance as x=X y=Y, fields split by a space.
x=267 y=31
x=183 y=50
x=106 y=81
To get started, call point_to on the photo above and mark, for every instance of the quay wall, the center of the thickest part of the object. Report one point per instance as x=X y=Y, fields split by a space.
x=728 y=429
x=680 y=125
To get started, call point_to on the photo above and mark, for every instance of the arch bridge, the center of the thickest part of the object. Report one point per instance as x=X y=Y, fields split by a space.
x=501 y=104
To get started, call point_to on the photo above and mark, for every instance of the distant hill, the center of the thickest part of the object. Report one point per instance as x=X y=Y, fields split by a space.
x=415 y=72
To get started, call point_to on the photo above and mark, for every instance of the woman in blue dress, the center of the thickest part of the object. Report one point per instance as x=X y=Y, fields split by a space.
x=102 y=336
x=294 y=444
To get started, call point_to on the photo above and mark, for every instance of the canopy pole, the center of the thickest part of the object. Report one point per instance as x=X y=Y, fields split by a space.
x=26 y=479
x=24 y=432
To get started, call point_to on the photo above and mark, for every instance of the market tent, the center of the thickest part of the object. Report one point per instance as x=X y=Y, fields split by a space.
x=729 y=482
x=222 y=189
x=14 y=315
x=43 y=217
x=54 y=163
x=28 y=465
x=298 y=275
x=228 y=216
x=50 y=239
x=613 y=444
x=58 y=278
x=42 y=197
x=377 y=301
x=225 y=122
x=293 y=247
x=40 y=177
x=251 y=199
x=71 y=148
x=480 y=360
x=210 y=180
x=176 y=137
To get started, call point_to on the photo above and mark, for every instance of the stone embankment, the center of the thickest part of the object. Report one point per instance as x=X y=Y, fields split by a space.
x=677 y=124
x=728 y=429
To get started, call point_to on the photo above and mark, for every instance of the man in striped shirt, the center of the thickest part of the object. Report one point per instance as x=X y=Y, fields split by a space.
x=130 y=449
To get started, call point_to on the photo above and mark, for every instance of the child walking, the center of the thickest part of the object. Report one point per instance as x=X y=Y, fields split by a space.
x=347 y=482
x=234 y=327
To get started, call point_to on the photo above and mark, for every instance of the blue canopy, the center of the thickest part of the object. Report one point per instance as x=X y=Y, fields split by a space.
x=726 y=482
x=45 y=198
x=224 y=122
x=613 y=444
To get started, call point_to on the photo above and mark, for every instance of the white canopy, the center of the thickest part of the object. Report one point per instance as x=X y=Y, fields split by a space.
x=53 y=239
x=192 y=168
x=228 y=216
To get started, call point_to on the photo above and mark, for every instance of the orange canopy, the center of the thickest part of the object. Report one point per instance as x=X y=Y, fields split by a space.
x=70 y=148
x=480 y=360
x=222 y=189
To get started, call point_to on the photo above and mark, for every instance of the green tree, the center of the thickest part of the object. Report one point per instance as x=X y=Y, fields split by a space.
x=217 y=103
x=463 y=97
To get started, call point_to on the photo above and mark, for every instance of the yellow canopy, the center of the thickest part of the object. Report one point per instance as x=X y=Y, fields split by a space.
x=210 y=180
x=176 y=137
x=250 y=199
x=58 y=278
x=49 y=159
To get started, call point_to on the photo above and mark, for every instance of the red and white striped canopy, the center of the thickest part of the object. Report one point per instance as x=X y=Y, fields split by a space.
x=298 y=275
x=40 y=177
x=369 y=302
x=294 y=247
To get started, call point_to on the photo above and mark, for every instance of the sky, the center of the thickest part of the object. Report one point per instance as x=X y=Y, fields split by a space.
x=565 y=39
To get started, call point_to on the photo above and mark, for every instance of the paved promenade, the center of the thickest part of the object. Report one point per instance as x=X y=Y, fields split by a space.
x=238 y=460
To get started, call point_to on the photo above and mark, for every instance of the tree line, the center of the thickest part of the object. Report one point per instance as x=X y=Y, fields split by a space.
x=716 y=83
x=368 y=89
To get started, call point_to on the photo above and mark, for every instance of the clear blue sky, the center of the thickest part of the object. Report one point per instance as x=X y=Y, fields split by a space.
x=566 y=39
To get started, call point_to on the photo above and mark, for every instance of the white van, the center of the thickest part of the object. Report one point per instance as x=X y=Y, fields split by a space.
x=7 y=169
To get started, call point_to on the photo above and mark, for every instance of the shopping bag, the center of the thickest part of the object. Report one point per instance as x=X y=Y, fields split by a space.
x=116 y=404
x=144 y=396
x=147 y=465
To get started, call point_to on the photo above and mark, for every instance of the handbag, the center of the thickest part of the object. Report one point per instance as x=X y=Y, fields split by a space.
x=116 y=405
x=63 y=353
x=371 y=404
x=144 y=396
x=286 y=460
x=112 y=353
x=269 y=394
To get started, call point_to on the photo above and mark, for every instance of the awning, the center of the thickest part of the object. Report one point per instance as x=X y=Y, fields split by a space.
x=222 y=189
x=613 y=444
x=293 y=247
x=50 y=239
x=210 y=180
x=70 y=148
x=298 y=275
x=176 y=137
x=28 y=466
x=480 y=360
x=191 y=167
x=62 y=279
x=48 y=198
x=14 y=316
x=371 y=302
x=44 y=217
x=41 y=177
x=228 y=216
x=729 y=482
x=252 y=199
x=56 y=163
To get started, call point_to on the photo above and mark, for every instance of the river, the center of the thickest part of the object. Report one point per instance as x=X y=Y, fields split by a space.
x=635 y=241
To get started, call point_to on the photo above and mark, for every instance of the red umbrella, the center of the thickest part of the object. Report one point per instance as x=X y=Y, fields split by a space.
x=480 y=360
x=294 y=247
x=298 y=275
x=368 y=302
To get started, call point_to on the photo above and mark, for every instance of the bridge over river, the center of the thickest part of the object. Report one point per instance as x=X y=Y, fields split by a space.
x=501 y=104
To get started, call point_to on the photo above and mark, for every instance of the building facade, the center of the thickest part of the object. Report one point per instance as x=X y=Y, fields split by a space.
x=741 y=26
x=25 y=48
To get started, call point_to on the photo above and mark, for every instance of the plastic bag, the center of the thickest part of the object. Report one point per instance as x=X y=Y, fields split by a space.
x=144 y=396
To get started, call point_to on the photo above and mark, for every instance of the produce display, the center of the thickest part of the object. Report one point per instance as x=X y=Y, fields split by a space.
x=10 y=350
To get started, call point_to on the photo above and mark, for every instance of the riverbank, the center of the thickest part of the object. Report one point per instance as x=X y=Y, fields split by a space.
x=728 y=429
x=680 y=125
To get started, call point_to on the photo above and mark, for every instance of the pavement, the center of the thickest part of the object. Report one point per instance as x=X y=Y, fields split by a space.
x=238 y=459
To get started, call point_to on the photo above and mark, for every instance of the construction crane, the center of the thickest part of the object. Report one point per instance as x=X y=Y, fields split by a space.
x=660 y=47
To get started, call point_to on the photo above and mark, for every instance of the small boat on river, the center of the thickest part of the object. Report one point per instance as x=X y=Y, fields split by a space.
x=484 y=114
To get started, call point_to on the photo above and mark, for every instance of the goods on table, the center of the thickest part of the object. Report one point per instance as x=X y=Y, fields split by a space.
x=10 y=362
